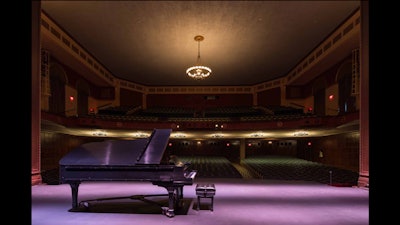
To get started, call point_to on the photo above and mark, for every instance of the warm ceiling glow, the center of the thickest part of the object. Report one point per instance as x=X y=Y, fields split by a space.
x=179 y=135
x=217 y=135
x=99 y=133
x=300 y=133
x=257 y=135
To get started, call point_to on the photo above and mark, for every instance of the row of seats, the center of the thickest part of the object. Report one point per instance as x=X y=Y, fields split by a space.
x=237 y=111
x=119 y=110
x=147 y=118
x=228 y=111
x=284 y=110
x=288 y=168
x=273 y=167
x=125 y=117
x=212 y=166
x=276 y=117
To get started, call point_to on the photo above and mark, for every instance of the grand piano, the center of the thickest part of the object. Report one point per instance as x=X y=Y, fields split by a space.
x=142 y=159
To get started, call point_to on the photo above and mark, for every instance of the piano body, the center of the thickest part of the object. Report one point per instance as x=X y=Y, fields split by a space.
x=127 y=160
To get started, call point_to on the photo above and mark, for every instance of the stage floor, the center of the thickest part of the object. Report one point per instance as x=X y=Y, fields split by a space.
x=236 y=202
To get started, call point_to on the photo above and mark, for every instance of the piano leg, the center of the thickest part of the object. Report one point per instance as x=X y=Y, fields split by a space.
x=74 y=190
x=175 y=195
x=179 y=190
x=170 y=212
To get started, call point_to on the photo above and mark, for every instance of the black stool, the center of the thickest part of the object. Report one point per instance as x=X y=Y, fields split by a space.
x=205 y=191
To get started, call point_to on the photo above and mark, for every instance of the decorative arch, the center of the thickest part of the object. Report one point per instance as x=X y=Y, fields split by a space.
x=343 y=70
x=347 y=102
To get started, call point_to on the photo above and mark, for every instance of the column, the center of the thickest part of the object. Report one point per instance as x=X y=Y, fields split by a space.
x=35 y=91
x=363 y=179
x=242 y=149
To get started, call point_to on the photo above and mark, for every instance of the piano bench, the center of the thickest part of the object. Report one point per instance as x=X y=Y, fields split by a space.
x=205 y=191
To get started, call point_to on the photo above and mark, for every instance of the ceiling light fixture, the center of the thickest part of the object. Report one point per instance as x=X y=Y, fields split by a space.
x=198 y=72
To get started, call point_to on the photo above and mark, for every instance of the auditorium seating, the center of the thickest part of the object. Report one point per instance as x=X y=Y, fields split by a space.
x=272 y=167
x=118 y=110
x=212 y=166
x=288 y=168
x=233 y=111
x=284 y=110
x=211 y=114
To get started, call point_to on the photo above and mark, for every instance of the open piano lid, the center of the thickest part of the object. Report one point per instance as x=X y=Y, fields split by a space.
x=120 y=152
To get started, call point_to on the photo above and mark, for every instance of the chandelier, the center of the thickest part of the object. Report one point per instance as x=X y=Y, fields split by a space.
x=198 y=72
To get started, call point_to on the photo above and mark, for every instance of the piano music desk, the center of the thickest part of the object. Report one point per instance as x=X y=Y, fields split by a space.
x=205 y=191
